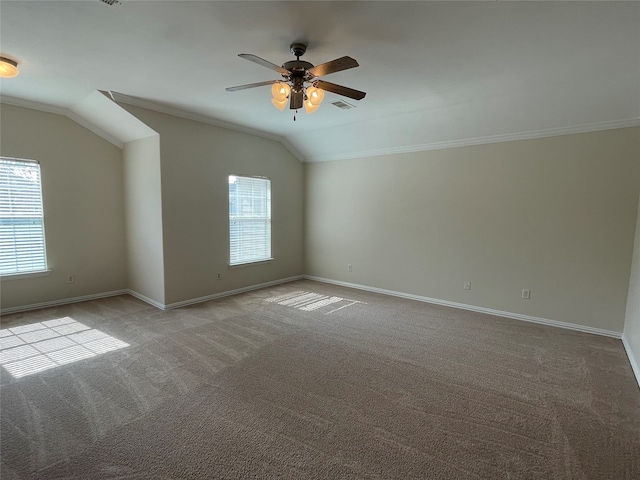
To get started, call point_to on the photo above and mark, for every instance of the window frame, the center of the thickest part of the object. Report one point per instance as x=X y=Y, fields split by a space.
x=250 y=262
x=40 y=272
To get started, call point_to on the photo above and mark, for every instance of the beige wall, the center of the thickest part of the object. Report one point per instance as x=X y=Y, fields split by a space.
x=554 y=215
x=632 y=322
x=82 y=187
x=143 y=217
x=196 y=159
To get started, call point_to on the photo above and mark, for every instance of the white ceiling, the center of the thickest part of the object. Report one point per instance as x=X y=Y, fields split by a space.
x=435 y=73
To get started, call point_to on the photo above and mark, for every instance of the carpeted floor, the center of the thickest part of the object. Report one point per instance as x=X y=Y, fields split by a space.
x=310 y=381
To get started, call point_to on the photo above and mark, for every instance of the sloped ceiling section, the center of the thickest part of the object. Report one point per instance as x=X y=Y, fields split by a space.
x=99 y=109
x=99 y=113
x=436 y=74
x=138 y=102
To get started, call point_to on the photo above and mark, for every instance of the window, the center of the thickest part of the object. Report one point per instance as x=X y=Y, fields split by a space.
x=22 y=247
x=249 y=219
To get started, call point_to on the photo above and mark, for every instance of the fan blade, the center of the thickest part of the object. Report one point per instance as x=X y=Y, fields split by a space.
x=265 y=63
x=250 y=85
x=333 y=66
x=340 y=90
x=297 y=100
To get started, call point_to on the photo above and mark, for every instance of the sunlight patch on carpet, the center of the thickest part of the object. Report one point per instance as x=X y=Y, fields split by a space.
x=309 y=301
x=36 y=347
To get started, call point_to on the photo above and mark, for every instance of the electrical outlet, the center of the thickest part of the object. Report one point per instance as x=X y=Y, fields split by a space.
x=70 y=279
x=219 y=276
x=467 y=285
x=526 y=293
x=350 y=268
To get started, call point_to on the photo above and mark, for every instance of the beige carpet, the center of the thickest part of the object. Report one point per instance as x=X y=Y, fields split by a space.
x=310 y=381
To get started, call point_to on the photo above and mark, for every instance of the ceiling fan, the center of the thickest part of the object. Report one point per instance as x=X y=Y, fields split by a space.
x=300 y=83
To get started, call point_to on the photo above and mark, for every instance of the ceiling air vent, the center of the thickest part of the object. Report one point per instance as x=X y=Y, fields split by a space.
x=343 y=105
x=111 y=2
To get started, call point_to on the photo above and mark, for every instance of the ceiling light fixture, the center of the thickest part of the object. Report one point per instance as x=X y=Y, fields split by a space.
x=280 y=92
x=312 y=96
x=301 y=85
x=8 y=67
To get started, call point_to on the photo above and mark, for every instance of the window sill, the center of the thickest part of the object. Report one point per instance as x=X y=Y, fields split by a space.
x=250 y=264
x=24 y=275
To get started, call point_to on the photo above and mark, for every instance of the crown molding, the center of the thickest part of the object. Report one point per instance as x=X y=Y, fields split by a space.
x=43 y=107
x=138 y=102
x=291 y=148
x=65 y=112
x=508 y=137
x=177 y=112
x=93 y=128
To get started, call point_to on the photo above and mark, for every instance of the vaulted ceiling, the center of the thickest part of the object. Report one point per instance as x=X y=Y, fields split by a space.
x=436 y=73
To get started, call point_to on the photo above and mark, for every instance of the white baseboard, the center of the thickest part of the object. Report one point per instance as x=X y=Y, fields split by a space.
x=635 y=366
x=473 y=308
x=150 y=301
x=230 y=292
x=63 y=301
x=146 y=299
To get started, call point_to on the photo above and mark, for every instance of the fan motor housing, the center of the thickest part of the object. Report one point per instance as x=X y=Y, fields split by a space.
x=297 y=67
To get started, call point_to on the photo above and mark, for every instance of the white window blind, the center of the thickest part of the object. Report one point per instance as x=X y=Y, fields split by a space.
x=249 y=219
x=22 y=247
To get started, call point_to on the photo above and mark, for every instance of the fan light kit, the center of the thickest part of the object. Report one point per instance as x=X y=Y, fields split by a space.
x=8 y=67
x=300 y=86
